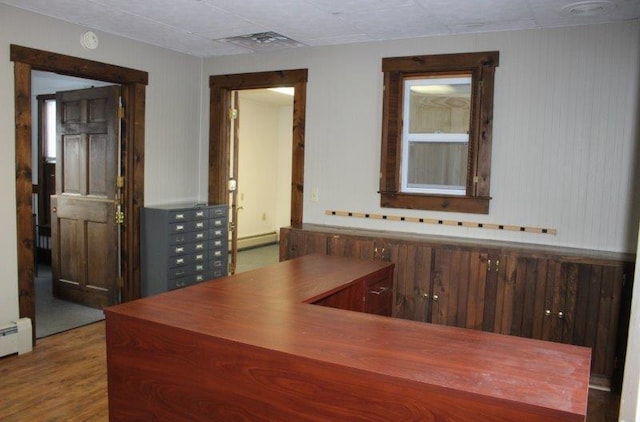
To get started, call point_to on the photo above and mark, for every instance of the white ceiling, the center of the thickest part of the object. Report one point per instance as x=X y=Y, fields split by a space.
x=197 y=27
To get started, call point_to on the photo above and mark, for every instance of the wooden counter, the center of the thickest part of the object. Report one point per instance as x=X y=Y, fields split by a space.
x=252 y=347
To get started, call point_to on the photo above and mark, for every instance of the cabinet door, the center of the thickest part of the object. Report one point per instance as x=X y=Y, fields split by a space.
x=500 y=287
x=412 y=289
x=459 y=287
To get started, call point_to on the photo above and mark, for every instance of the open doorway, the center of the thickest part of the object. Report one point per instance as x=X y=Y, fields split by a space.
x=262 y=136
x=133 y=83
x=222 y=161
x=63 y=304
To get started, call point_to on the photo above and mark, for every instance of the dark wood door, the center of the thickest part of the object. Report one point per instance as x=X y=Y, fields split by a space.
x=85 y=246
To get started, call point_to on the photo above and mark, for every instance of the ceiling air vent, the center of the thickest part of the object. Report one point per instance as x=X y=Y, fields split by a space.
x=263 y=41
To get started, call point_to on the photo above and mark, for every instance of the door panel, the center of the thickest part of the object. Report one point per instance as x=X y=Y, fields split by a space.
x=83 y=211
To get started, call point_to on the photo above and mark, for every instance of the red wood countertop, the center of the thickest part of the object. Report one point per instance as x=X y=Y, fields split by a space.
x=270 y=309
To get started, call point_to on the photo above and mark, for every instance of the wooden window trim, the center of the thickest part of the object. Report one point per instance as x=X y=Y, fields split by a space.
x=482 y=67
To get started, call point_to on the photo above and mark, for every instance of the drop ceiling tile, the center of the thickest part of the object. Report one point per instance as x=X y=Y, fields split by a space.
x=351 y=6
x=549 y=13
x=473 y=11
x=399 y=22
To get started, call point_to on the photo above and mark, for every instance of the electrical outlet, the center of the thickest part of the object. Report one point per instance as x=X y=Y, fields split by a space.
x=314 y=195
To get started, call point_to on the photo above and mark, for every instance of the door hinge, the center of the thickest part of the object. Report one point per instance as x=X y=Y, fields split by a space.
x=231 y=227
x=120 y=112
x=476 y=179
x=233 y=113
x=120 y=282
x=120 y=182
x=119 y=217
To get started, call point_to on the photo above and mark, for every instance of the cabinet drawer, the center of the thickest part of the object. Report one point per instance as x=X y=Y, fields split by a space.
x=189 y=226
x=379 y=296
x=187 y=248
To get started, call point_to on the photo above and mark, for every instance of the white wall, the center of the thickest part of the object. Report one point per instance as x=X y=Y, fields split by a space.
x=173 y=123
x=263 y=176
x=565 y=127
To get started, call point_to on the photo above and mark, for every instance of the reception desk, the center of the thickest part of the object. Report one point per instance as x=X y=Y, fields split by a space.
x=304 y=340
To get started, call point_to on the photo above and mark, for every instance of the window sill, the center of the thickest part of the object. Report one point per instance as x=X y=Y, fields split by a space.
x=450 y=203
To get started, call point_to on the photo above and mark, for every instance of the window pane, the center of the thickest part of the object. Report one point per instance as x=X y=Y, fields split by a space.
x=50 y=132
x=439 y=105
x=438 y=165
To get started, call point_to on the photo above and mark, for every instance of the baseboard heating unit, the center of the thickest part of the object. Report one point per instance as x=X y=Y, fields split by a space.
x=15 y=337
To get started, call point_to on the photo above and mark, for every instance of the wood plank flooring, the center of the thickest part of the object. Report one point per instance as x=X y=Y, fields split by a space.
x=65 y=379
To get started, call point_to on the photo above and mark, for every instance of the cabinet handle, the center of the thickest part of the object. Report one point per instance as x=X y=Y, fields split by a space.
x=435 y=298
x=488 y=265
x=379 y=291
x=547 y=312
x=179 y=250
x=560 y=315
x=179 y=228
x=497 y=265
x=425 y=295
x=200 y=214
x=179 y=216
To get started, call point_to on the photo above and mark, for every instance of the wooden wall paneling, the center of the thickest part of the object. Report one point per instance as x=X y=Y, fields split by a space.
x=607 y=304
x=540 y=327
x=422 y=282
x=404 y=281
x=610 y=331
x=477 y=284
x=462 y=289
x=491 y=294
x=507 y=276
x=440 y=286
x=521 y=292
x=352 y=247
x=568 y=319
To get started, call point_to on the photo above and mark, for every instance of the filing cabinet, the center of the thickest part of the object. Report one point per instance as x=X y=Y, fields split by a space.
x=181 y=245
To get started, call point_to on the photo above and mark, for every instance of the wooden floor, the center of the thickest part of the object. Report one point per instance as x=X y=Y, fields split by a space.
x=65 y=379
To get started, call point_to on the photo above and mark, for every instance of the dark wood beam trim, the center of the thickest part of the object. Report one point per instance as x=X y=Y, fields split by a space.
x=24 y=211
x=73 y=66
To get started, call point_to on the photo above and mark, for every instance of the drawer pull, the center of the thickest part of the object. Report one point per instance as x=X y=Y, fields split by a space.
x=179 y=228
x=199 y=257
x=200 y=214
x=199 y=225
x=179 y=216
x=199 y=278
x=547 y=312
x=435 y=298
x=179 y=249
x=180 y=261
x=560 y=315
x=379 y=291
x=199 y=246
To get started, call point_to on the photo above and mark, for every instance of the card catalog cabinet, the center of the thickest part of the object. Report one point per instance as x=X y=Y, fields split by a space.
x=182 y=245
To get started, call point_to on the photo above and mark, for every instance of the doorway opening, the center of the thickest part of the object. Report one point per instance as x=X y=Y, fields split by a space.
x=261 y=167
x=133 y=83
x=224 y=162
x=63 y=304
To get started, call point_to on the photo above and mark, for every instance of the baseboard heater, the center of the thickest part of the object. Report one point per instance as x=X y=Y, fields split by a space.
x=257 y=240
x=16 y=337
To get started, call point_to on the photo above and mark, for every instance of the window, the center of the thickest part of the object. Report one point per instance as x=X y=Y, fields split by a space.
x=436 y=134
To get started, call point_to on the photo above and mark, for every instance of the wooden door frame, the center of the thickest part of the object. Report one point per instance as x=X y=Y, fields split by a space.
x=133 y=84
x=221 y=87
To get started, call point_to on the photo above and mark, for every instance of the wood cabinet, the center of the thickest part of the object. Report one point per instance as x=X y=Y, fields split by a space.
x=561 y=295
x=372 y=294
